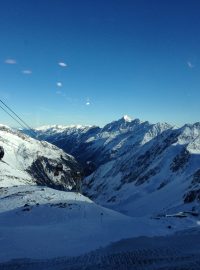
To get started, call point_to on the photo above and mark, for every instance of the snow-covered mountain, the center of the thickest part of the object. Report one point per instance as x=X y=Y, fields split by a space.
x=72 y=139
x=29 y=161
x=161 y=176
x=138 y=168
x=149 y=171
x=94 y=146
x=36 y=219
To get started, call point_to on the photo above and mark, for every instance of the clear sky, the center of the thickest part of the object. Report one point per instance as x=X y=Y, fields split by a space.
x=92 y=61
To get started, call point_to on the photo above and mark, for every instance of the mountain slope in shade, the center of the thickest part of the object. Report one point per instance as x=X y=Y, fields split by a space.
x=162 y=176
x=138 y=168
x=96 y=146
x=29 y=161
x=150 y=172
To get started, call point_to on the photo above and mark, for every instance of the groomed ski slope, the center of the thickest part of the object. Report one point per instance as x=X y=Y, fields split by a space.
x=43 y=223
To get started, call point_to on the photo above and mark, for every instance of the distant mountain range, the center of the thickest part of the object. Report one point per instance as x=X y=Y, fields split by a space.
x=41 y=217
x=135 y=167
x=148 y=172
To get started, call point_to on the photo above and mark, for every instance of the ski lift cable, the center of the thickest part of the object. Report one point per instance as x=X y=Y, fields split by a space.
x=11 y=116
x=21 y=122
x=24 y=123
x=17 y=122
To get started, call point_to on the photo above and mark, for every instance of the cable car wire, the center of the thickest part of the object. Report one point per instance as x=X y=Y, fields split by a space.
x=24 y=123
x=11 y=116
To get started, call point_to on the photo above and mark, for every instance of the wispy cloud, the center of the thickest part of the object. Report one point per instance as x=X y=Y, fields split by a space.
x=88 y=103
x=27 y=71
x=62 y=64
x=59 y=84
x=10 y=61
x=190 y=64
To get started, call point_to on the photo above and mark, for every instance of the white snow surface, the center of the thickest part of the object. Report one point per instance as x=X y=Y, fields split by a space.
x=127 y=118
x=21 y=151
x=137 y=164
x=61 y=128
x=152 y=177
x=160 y=192
x=42 y=223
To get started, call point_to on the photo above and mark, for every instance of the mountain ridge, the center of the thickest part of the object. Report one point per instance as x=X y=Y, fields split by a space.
x=129 y=161
x=29 y=161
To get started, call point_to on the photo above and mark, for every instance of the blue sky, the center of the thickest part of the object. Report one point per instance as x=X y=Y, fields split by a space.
x=137 y=57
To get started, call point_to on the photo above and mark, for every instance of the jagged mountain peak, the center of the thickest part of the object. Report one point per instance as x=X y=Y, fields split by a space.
x=164 y=124
x=189 y=132
x=123 y=123
x=192 y=126
x=127 y=157
x=127 y=118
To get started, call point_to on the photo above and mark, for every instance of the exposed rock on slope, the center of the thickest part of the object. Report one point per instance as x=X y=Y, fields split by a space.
x=93 y=146
x=30 y=161
x=137 y=167
x=159 y=176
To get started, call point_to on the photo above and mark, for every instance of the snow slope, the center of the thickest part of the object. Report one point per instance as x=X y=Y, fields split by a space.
x=162 y=176
x=180 y=251
x=136 y=167
x=43 y=223
x=96 y=146
x=147 y=171
x=29 y=161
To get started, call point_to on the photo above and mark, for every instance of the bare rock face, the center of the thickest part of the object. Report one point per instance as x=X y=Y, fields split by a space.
x=161 y=171
x=196 y=177
x=192 y=195
x=180 y=160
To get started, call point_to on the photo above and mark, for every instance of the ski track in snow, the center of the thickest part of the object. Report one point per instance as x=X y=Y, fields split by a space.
x=179 y=252
x=34 y=220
